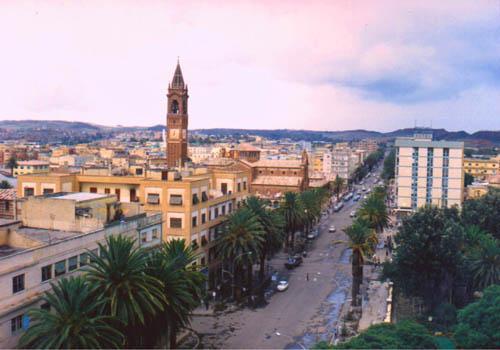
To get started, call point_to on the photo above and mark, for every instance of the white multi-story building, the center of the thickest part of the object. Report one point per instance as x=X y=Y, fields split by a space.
x=428 y=172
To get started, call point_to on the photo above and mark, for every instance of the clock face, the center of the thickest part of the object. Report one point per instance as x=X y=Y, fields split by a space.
x=174 y=133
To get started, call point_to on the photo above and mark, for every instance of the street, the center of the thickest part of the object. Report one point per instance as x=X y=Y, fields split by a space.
x=305 y=313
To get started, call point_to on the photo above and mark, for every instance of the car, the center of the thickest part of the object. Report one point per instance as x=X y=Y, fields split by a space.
x=365 y=196
x=311 y=235
x=332 y=229
x=363 y=189
x=282 y=286
x=357 y=198
x=293 y=262
x=338 y=206
x=352 y=214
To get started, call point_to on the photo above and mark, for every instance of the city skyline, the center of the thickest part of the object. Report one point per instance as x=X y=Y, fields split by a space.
x=332 y=66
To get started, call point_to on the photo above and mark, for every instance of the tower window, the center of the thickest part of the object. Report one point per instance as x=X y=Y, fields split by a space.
x=175 y=107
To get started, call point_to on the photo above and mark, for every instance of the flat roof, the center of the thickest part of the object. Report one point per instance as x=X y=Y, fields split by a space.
x=47 y=236
x=405 y=142
x=81 y=196
x=6 y=250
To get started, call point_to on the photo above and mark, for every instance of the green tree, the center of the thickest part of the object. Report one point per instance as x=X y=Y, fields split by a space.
x=389 y=165
x=11 y=164
x=118 y=276
x=74 y=321
x=484 y=262
x=374 y=211
x=182 y=286
x=360 y=241
x=402 y=335
x=468 y=179
x=337 y=186
x=4 y=184
x=428 y=258
x=272 y=222
x=484 y=212
x=311 y=206
x=479 y=323
x=241 y=241
x=292 y=212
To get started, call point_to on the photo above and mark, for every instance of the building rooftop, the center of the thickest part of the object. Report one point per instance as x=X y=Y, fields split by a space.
x=6 y=250
x=80 y=196
x=276 y=163
x=32 y=162
x=411 y=142
x=277 y=180
x=8 y=194
x=47 y=236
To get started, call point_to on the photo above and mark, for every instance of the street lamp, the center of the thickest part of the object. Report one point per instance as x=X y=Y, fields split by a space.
x=289 y=337
x=234 y=267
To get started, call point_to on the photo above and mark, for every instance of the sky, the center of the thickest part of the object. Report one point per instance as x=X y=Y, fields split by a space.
x=317 y=65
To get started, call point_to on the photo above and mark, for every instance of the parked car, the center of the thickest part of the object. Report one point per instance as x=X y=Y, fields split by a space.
x=363 y=189
x=312 y=235
x=332 y=229
x=338 y=206
x=357 y=198
x=293 y=262
x=282 y=286
x=352 y=214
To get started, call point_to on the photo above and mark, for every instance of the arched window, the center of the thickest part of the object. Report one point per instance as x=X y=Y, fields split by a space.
x=175 y=107
x=184 y=105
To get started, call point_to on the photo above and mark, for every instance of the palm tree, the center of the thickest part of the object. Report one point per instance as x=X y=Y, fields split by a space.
x=182 y=282
x=241 y=241
x=311 y=205
x=292 y=211
x=374 y=211
x=337 y=186
x=272 y=223
x=484 y=262
x=359 y=234
x=74 y=321
x=118 y=275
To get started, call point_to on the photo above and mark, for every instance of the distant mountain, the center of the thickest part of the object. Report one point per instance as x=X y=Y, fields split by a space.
x=64 y=131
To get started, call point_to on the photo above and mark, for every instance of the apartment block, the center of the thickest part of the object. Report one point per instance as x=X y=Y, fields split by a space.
x=194 y=202
x=52 y=241
x=31 y=167
x=428 y=172
x=482 y=169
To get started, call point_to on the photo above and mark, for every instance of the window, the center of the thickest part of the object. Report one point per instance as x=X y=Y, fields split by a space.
x=18 y=283
x=16 y=323
x=153 y=198
x=175 y=199
x=239 y=187
x=29 y=191
x=84 y=259
x=194 y=221
x=203 y=218
x=223 y=210
x=216 y=213
x=60 y=268
x=175 y=223
x=48 y=191
x=223 y=188
x=195 y=199
x=204 y=196
x=117 y=192
x=7 y=205
x=46 y=273
x=93 y=190
x=230 y=208
x=244 y=185
x=107 y=191
x=144 y=237
x=73 y=263
x=155 y=233
x=138 y=171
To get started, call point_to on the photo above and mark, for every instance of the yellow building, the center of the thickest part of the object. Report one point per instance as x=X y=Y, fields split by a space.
x=481 y=169
x=31 y=167
x=193 y=203
x=317 y=162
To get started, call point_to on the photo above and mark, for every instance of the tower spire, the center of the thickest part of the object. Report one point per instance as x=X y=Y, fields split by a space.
x=178 y=80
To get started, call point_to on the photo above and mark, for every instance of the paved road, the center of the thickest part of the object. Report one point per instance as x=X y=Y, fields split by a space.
x=306 y=312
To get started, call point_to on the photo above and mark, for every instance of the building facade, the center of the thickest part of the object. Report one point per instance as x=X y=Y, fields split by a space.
x=52 y=241
x=31 y=167
x=428 y=173
x=482 y=169
x=177 y=120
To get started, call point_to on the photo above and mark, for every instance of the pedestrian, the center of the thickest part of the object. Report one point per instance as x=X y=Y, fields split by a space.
x=307 y=276
x=206 y=303
x=387 y=253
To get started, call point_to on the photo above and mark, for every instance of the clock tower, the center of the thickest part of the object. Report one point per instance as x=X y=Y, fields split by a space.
x=177 y=120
